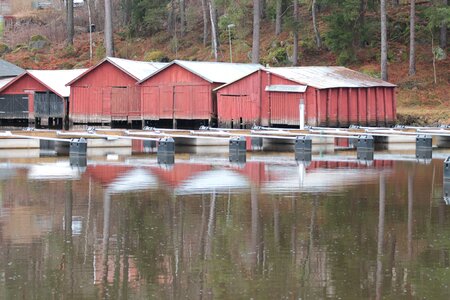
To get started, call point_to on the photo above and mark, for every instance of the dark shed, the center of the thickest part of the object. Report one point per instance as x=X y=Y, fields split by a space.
x=108 y=92
x=182 y=91
x=38 y=95
x=333 y=96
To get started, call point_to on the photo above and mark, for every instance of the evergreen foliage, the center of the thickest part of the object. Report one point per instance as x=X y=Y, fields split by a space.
x=148 y=16
x=348 y=29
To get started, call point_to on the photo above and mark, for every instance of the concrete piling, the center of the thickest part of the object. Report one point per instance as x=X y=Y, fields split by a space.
x=238 y=149
x=166 y=151
x=303 y=148
x=78 y=147
x=424 y=146
x=365 y=147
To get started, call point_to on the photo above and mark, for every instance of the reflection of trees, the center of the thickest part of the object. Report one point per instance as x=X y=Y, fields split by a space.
x=368 y=241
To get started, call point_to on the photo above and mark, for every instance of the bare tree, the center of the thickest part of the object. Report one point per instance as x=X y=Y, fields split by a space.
x=90 y=28
x=295 y=54
x=205 y=22
x=213 y=15
x=109 y=43
x=443 y=35
x=278 y=17
x=384 y=70
x=182 y=17
x=412 y=40
x=315 y=26
x=70 y=27
x=256 y=30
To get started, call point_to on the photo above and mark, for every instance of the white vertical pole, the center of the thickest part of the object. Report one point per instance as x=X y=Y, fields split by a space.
x=302 y=114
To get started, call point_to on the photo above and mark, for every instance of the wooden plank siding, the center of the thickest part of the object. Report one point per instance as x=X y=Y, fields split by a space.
x=25 y=85
x=247 y=99
x=177 y=93
x=104 y=94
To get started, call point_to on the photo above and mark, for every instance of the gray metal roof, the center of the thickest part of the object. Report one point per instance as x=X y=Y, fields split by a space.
x=8 y=69
x=56 y=80
x=218 y=72
x=329 y=77
x=214 y=72
x=137 y=69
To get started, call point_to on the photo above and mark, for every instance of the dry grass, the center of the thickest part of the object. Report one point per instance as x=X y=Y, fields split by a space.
x=19 y=6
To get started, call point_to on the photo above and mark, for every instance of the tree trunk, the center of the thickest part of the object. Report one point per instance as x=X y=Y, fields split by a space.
x=171 y=18
x=412 y=40
x=315 y=26
x=127 y=5
x=205 y=22
x=384 y=70
x=90 y=29
x=295 y=54
x=182 y=17
x=361 y=21
x=443 y=35
x=256 y=29
x=109 y=43
x=70 y=28
x=212 y=13
x=278 y=17
x=262 y=8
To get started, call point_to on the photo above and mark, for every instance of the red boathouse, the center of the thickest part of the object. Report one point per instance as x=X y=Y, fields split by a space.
x=38 y=96
x=108 y=93
x=333 y=96
x=181 y=94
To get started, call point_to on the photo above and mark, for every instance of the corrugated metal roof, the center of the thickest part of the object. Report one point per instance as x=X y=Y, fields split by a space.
x=286 y=88
x=329 y=77
x=137 y=69
x=5 y=81
x=56 y=80
x=8 y=69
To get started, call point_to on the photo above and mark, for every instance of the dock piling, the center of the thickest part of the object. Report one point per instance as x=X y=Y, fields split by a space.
x=303 y=148
x=238 y=149
x=365 y=147
x=78 y=147
x=447 y=169
x=424 y=145
x=166 y=151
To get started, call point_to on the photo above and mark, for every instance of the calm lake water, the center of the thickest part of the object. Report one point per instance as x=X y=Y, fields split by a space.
x=124 y=227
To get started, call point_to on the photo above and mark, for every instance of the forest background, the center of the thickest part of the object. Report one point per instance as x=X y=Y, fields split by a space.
x=38 y=35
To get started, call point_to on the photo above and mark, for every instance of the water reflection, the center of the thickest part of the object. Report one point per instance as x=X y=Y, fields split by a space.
x=132 y=229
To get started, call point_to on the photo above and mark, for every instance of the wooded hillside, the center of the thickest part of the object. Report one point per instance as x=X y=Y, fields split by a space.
x=306 y=32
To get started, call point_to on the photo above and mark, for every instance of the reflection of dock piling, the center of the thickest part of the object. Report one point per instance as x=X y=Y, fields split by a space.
x=446 y=184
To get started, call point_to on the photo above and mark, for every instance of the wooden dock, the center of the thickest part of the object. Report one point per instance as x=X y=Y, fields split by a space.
x=30 y=138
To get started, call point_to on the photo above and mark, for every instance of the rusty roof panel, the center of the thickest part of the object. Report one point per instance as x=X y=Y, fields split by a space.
x=329 y=77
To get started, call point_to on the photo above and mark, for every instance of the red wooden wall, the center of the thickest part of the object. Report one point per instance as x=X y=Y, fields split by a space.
x=104 y=94
x=177 y=93
x=334 y=107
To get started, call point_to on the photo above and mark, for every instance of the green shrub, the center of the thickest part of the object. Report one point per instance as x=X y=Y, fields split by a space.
x=100 y=51
x=155 y=55
x=4 y=49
